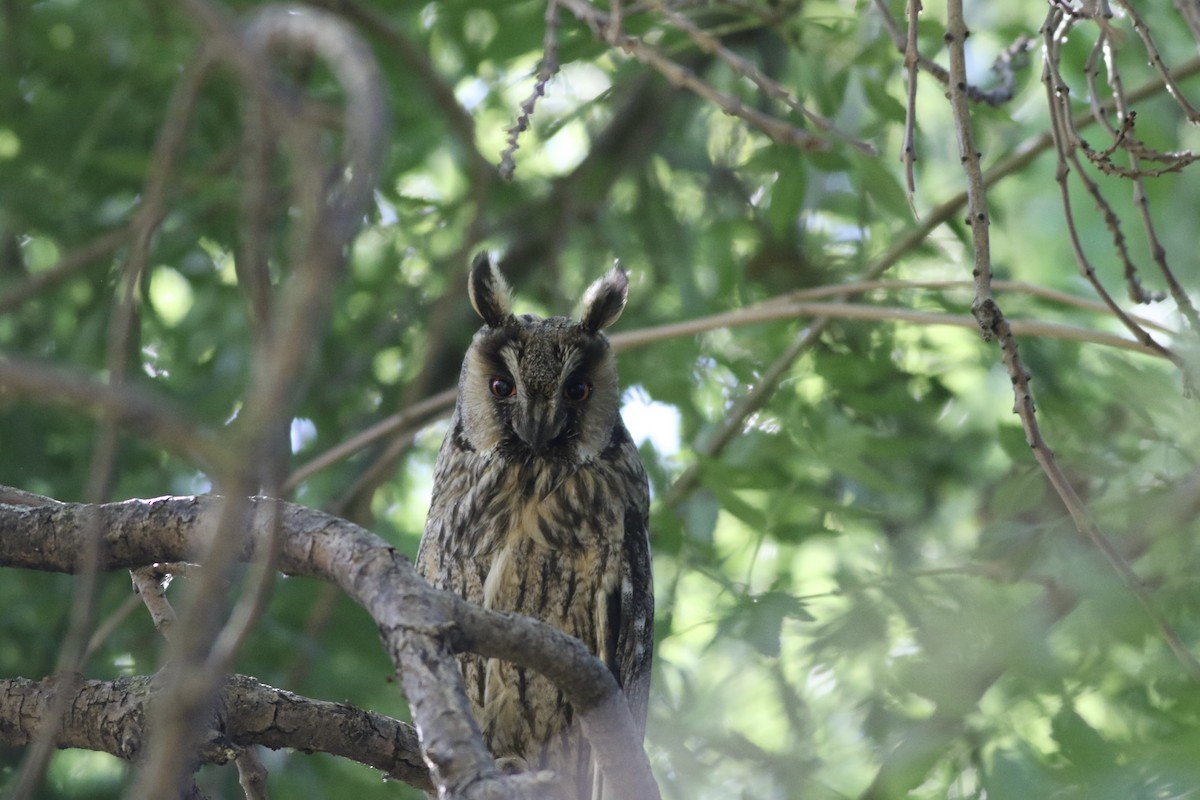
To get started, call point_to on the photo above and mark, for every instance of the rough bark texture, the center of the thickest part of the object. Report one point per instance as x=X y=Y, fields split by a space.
x=421 y=628
x=110 y=716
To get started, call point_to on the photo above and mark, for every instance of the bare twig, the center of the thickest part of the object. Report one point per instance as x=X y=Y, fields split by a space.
x=743 y=407
x=546 y=70
x=1015 y=287
x=409 y=419
x=1062 y=128
x=783 y=309
x=1142 y=201
x=1013 y=58
x=151 y=585
x=1143 y=32
x=912 y=57
x=778 y=130
x=983 y=307
x=994 y=324
x=740 y=66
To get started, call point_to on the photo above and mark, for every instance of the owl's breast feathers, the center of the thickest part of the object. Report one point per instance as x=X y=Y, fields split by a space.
x=485 y=501
x=565 y=542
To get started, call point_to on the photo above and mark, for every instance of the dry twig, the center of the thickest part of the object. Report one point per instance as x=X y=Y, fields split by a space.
x=993 y=324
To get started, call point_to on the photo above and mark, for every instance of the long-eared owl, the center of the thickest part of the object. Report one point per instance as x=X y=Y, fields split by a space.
x=539 y=507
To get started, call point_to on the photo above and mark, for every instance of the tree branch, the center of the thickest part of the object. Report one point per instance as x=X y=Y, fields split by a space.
x=110 y=717
x=993 y=323
x=422 y=628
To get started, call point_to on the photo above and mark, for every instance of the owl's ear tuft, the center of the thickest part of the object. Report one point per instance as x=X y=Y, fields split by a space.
x=604 y=300
x=490 y=296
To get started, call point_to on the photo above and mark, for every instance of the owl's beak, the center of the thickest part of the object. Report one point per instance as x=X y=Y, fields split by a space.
x=537 y=427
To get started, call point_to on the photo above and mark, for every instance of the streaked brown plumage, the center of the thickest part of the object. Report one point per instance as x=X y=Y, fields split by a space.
x=539 y=507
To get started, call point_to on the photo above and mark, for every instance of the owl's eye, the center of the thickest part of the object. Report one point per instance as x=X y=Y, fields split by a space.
x=577 y=390
x=503 y=387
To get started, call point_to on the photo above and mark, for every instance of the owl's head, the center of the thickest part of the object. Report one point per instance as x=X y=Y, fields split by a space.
x=535 y=387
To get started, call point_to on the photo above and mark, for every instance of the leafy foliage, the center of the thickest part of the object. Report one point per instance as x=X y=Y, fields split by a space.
x=866 y=587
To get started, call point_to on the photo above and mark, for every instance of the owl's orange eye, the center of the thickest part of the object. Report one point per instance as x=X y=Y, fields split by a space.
x=503 y=387
x=577 y=390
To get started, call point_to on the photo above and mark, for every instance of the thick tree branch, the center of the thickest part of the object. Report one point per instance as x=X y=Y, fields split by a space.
x=110 y=717
x=422 y=628
x=330 y=196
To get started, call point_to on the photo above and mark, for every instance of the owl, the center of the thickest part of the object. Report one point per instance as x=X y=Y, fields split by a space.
x=539 y=507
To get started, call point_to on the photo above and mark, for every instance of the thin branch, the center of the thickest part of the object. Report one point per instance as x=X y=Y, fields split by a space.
x=1014 y=287
x=1023 y=155
x=70 y=264
x=740 y=66
x=252 y=775
x=1013 y=58
x=110 y=625
x=994 y=324
x=983 y=307
x=743 y=407
x=546 y=70
x=408 y=420
x=778 y=130
x=1143 y=32
x=151 y=584
x=1061 y=129
x=1142 y=201
x=784 y=310
x=912 y=58
x=150 y=415
x=794 y=305
x=330 y=204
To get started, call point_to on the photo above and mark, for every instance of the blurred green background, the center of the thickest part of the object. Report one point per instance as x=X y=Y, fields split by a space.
x=870 y=591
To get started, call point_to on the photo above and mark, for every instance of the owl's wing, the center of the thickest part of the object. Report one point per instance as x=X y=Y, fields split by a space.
x=631 y=603
x=631 y=616
x=630 y=642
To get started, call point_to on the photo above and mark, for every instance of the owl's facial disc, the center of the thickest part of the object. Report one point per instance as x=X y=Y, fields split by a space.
x=544 y=388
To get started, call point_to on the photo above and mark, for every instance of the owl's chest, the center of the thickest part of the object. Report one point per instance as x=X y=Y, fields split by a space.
x=567 y=509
